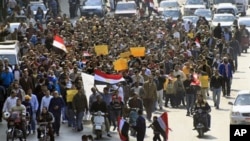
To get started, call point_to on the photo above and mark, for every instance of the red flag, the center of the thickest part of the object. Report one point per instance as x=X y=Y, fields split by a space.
x=123 y=128
x=59 y=43
x=162 y=125
x=197 y=42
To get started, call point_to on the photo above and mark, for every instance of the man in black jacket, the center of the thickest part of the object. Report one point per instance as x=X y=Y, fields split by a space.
x=100 y=105
x=218 y=31
x=216 y=86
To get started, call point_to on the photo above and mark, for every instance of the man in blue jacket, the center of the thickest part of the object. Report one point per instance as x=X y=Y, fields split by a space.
x=226 y=70
x=140 y=126
x=7 y=77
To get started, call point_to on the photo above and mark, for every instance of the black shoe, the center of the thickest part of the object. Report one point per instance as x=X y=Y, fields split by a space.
x=214 y=104
x=194 y=129
x=217 y=107
x=160 y=108
x=188 y=114
x=109 y=135
x=114 y=128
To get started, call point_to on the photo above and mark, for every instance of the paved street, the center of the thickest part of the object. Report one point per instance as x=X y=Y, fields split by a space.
x=180 y=124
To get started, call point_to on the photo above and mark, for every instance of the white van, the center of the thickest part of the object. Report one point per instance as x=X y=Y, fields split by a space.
x=10 y=45
x=10 y=49
x=227 y=8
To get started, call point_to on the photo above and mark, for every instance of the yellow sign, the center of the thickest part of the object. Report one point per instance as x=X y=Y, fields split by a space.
x=101 y=50
x=70 y=95
x=204 y=81
x=138 y=51
x=125 y=54
x=120 y=64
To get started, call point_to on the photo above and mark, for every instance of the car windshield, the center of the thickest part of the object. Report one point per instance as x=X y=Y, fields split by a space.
x=193 y=19
x=244 y=22
x=35 y=7
x=125 y=6
x=203 y=13
x=225 y=11
x=223 y=1
x=242 y=100
x=194 y=2
x=93 y=3
x=223 y=19
x=169 y=4
x=11 y=57
x=171 y=13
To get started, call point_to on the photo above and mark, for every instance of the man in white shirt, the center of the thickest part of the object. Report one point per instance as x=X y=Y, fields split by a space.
x=177 y=71
x=46 y=100
x=10 y=102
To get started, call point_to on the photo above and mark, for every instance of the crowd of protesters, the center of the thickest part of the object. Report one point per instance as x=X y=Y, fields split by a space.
x=176 y=53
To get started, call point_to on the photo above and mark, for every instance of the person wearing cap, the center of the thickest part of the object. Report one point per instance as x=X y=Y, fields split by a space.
x=28 y=106
x=55 y=107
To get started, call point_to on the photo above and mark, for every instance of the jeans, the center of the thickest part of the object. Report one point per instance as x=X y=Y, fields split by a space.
x=159 y=98
x=71 y=117
x=236 y=61
x=33 y=121
x=79 y=117
x=190 y=102
x=216 y=96
x=64 y=113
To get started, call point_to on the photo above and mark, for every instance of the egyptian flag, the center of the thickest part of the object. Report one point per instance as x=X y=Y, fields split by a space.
x=161 y=124
x=195 y=80
x=102 y=78
x=123 y=128
x=59 y=43
x=197 y=42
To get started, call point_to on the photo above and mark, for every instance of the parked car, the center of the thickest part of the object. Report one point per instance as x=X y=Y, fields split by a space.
x=169 y=4
x=34 y=6
x=93 y=7
x=225 y=20
x=240 y=112
x=192 y=19
x=207 y=13
x=191 y=5
x=126 y=9
x=173 y=13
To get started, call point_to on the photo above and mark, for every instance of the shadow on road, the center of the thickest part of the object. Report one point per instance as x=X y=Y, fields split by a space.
x=208 y=137
x=221 y=109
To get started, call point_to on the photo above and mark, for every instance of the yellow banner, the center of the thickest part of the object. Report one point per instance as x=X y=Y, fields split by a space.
x=204 y=81
x=101 y=50
x=120 y=64
x=138 y=51
x=125 y=54
x=70 y=95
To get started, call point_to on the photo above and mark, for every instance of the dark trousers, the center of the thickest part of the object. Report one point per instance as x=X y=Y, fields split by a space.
x=180 y=98
x=148 y=104
x=57 y=122
x=114 y=116
x=140 y=135
x=156 y=137
x=226 y=86
x=1 y=107
x=72 y=10
x=172 y=99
